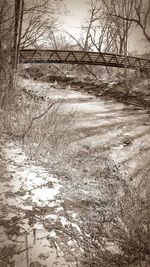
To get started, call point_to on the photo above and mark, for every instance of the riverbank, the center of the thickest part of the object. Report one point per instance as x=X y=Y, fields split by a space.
x=138 y=92
x=99 y=155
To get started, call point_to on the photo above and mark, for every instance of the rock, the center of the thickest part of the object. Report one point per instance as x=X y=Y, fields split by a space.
x=127 y=142
x=35 y=264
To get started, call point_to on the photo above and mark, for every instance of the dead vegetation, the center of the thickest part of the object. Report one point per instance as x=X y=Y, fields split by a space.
x=103 y=84
x=118 y=236
x=114 y=220
x=114 y=216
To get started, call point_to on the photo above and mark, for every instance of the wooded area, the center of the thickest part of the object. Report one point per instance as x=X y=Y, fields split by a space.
x=74 y=138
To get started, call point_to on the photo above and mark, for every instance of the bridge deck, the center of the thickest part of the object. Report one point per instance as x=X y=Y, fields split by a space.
x=81 y=57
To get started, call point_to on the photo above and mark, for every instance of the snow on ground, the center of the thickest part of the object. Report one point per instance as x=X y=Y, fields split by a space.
x=122 y=129
x=29 y=178
x=32 y=212
x=24 y=196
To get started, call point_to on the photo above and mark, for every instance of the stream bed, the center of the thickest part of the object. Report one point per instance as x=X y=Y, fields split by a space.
x=34 y=223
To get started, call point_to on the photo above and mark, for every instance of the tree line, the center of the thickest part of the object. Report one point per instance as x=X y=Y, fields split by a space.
x=27 y=24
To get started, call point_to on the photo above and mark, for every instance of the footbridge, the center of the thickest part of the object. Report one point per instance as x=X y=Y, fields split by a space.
x=82 y=58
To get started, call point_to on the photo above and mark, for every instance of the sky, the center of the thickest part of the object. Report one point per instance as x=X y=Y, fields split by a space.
x=78 y=11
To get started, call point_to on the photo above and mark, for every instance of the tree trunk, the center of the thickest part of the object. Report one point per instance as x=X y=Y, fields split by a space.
x=20 y=31
x=125 y=60
x=19 y=4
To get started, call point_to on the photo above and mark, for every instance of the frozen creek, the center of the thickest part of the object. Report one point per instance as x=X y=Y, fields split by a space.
x=122 y=130
x=31 y=209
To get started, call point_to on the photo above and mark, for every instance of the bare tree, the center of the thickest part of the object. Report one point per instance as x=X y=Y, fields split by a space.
x=6 y=23
x=94 y=12
x=116 y=11
x=140 y=16
x=18 y=19
x=103 y=31
x=38 y=18
x=24 y=24
x=6 y=42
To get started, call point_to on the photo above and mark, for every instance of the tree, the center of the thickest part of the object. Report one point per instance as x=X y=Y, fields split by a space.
x=23 y=24
x=114 y=11
x=140 y=16
x=94 y=12
x=18 y=19
x=6 y=23
x=6 y=42
x=39 y=17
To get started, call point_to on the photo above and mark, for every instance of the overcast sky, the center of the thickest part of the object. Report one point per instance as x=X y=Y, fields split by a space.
x=78 y=11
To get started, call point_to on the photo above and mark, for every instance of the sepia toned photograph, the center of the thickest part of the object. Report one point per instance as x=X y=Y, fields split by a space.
x=74 y=133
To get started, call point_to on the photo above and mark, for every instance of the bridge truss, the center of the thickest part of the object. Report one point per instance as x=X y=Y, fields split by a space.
x=82 y=57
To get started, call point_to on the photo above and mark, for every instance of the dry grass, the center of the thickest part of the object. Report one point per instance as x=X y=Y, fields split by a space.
x=37 y=122
x=119 y=236
x=114 y=215
x=49 y=135
x=114 y=219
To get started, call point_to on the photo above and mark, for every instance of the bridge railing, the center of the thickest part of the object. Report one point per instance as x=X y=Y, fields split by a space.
x=82 y=57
